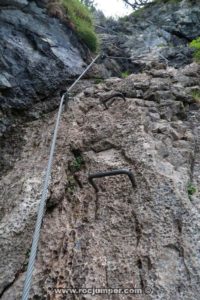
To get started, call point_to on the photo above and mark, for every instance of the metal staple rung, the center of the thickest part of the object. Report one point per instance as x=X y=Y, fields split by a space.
x=111 y=173
x=116 y=95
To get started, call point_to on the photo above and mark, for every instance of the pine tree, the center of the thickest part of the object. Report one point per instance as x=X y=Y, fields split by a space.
x=135 y=4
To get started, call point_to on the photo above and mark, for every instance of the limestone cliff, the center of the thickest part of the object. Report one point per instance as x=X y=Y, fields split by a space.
x=159 y=32
x=123 y=237
x=38 y=57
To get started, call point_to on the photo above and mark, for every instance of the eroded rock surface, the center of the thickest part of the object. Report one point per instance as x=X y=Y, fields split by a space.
x=160 y=31
x=120 y=237
x=39 y=54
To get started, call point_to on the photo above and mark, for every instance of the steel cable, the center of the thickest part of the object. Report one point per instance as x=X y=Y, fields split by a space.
x=41 y=208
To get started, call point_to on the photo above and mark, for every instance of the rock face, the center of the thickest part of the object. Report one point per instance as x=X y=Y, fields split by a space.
x=160 y=31
x=123 y=236
x=38 y=56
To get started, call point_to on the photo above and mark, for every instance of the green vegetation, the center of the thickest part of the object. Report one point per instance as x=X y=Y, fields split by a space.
x=196 y=95
x=125 y=74
x=28 y=252
x=80 y=17
x=89 y=3
x=138 y=12
x=191 y=189
x=195 y=44
x=76 y=164
x=162 y=45
x=98 y=80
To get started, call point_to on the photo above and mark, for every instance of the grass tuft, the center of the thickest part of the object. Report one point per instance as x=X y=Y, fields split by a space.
x=125 y=74
x=191 y=189
x=196 y=95
x=195 y=44
x=80 y=16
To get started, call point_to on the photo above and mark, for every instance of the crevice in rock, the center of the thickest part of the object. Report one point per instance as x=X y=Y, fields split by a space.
x=103 y=145
x=127 y=159
x=138 y=228
x=180 y=250
x=106 y=273
x=96 y=206
x=16 y=276
x=193 y=159
x=140 y=267
x=149 y=263
x=78 y=181
x=179 y=226
x=180 y=35
x=185 y=265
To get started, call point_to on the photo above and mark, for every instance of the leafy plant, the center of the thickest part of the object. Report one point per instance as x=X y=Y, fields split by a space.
x=125 y=74
x=191 y=189
x=27 y=255
x=195 y=44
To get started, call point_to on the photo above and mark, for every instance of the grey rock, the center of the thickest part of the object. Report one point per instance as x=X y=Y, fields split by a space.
x=48 y=51
x=149 y=234
x=157 y=33
x=4 y=83
x=122 y=237
x=39 y=56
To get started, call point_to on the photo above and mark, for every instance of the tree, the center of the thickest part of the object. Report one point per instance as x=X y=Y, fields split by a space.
x=135 y=4
x=89 y=3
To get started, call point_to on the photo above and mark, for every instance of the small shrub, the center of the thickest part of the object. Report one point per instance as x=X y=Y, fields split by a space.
x=125 y=74
x=196 y=95
x=191 y=189
x=76 y=164
x=27 y=255
x=98 y=80
x=195 y=44
x=138 y=12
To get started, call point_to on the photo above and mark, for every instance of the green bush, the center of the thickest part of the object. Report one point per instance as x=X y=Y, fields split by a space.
x=81 y=19
x=196 y=95
x=195 y=44
x=98 y=80
x=76 y=164
x=191 y=189
x=125 y=74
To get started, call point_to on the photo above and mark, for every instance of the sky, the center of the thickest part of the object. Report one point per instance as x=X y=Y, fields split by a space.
x=114 y=8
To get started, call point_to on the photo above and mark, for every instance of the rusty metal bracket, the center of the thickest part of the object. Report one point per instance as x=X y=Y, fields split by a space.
x=111 y=173
x=113 y=96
